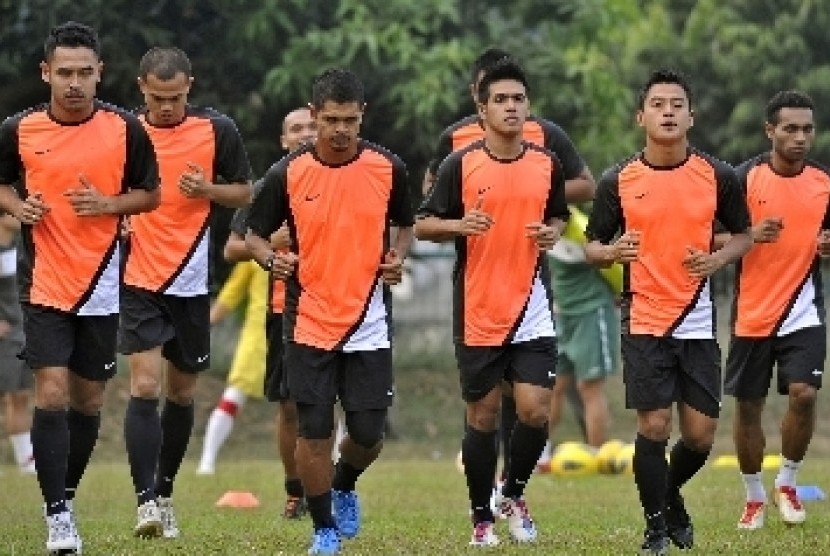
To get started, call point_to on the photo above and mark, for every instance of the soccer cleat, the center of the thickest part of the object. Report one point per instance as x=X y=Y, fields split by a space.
x=169 y=526
x=62 y=536
x=295 y=507
x=149 y=524
x=655 y=543
x=753 y=516
x=346 y=510
x=519 y=522
x=483 y=534
x=789 y=505
x=678 y=523
x=325 y=541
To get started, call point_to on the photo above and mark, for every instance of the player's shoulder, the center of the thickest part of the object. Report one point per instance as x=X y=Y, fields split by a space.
x=128 y=116
x=365 y=147
x=817 y=166
x=758 y=160
x=14 y=120
x=550 y=127
x=465 y=123
x=280 y=167
x=217 y=118
x=719 y=166
x=613 y=172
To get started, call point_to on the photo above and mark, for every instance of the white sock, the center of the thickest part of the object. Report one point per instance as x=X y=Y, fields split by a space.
x=544 y=457
x=787 y=472
x=219 y=426
x=22 y=446
x=754 y=485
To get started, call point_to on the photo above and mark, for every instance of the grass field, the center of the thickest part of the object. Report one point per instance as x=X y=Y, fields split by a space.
x=410 y=507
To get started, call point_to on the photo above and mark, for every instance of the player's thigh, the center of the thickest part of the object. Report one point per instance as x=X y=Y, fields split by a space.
x=144 y=322
x=367 y=380
x=749 y=366
x=800 y=356
x=481 y=369
x=311 y=374
x=700 y=376
x=96 y=338
x=189 y=348
x=650 y=372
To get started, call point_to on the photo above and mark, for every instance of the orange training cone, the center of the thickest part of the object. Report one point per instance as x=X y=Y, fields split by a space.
x=237 y=499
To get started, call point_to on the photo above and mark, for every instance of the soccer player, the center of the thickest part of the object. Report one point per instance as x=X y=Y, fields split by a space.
x=165 y=316
x=655 y=213
x=502 y=200
x=340 y=198
x=298 y=129
x=79 y=164
x=579 y=187
x=15 y=376
x=778 y=316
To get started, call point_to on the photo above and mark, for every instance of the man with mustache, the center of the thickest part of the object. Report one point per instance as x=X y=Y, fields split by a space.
x=78 y=165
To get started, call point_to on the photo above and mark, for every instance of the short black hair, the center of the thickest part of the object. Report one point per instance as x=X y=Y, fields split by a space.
x=664 y=76
x=164 y=62
x=336 y=85
x=71 y=34
x=505 y=69
x=786 y=99
x=485 y=60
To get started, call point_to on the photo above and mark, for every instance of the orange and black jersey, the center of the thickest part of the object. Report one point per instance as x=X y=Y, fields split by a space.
x=168 y=249
x=778 y=284
x=339 y=219
x=70 y=262
x=536 y=130
x=674 y=208
x=501 y=280
x=239 y=225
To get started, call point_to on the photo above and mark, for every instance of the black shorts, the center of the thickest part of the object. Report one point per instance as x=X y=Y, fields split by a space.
x=181 y=325
x=84 y=344
x=799 y=357
x=360 y=379
x=482 y=368
x=276 y=387
x=660 y=371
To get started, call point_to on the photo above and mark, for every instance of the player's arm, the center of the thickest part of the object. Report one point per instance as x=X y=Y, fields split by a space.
x=556 y=213
x=580 y=185
x=605 y=246
x=193 y=184
x=267 y=212
x=581 y=188
x=402 y=220
x=441 y=216
x=235 y=248
x=31 y=209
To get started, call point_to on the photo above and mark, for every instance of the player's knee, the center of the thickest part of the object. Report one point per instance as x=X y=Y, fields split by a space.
x=802 y=397
x=366 y=427
x=316 y=422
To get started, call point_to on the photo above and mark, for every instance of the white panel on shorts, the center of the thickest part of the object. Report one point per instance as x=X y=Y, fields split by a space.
x=8 y=262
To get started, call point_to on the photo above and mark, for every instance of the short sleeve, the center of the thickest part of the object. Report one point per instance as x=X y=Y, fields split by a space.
x=141 y=168
x=558 y=142
x=400 y=202
x=444 y=201
x=731 y=212
x=231 y=161
x=11 y=166
x=606 y=218
x=270 y=206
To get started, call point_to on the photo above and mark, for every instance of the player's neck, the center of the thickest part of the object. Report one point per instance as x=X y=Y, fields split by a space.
x=70 y=116
x=784 y=167
x=673 y=154
x=504 y=147
x=333 y=157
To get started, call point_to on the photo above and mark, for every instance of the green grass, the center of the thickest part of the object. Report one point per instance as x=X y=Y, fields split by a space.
x=410 y=507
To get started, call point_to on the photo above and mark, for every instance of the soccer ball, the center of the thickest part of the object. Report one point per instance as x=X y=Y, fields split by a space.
x=624 y=461
x=607 y=455
x=573 y=459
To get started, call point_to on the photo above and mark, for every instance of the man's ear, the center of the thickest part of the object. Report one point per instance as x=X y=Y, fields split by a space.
x=44 y=72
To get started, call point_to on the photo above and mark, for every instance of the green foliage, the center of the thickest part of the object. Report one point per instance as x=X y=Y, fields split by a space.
x=255 y=59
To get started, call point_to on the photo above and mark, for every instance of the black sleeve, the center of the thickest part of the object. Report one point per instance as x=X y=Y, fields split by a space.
x=558 y=142
x=239 y=221
x=141 y=170
x=444 y=201
x=442 y=151
x=11 y=165
x=825 y=223
x=731 y=211
x=270 y=206
x=606 y=218
x=231 y=160
x=400 y=202
x=556 y=206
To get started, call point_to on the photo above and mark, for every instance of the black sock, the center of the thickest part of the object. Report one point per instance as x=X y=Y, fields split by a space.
x=345 y=476
x=507 y=424
x=83 y=435
x=480 y=457
x=142 y=433
x=294 y=487
x=684 y=463
x=319 y=507
x=176 y=426
x=650 y=472
x=50 y=447
x=527 y=444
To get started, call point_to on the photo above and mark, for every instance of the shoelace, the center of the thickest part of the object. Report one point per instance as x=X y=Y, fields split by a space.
x=61 y=529
x=481 y=530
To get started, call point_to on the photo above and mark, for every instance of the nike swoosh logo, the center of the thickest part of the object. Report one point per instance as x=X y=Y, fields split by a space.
x=311 y=197
x=109 y=366
x=202 y=359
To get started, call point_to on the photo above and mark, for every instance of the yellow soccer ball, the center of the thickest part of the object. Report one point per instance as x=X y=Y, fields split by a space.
x=624 y=462
x=573 y=459
x=607 y=455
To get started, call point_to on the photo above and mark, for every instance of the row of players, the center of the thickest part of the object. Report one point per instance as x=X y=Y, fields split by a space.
x=500 y=197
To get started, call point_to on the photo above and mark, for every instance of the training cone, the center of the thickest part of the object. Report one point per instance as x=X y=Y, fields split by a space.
x=237 y=499
x=726 y=462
